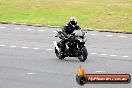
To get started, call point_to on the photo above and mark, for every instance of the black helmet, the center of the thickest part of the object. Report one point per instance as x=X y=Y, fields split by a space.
x=73 y=21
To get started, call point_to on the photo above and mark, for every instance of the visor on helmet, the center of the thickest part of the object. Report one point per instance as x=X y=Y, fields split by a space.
x=73 y=22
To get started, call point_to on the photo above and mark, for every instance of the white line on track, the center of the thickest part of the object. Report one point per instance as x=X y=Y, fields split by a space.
x=17 y=28
x=125 y=56
x=92 y=34
x=29 y=29
x=122 y=36
x=40 y=30
x=54 y=31
x=103 y=54
x=36 y=48
x=2 y=27
x=99 y=71
x=13 y=46
x=30 y=73
x=24 y=47
x=113 y=55
x=109 y=35
x=2 y=45
x=49 y=49
x=93 y=53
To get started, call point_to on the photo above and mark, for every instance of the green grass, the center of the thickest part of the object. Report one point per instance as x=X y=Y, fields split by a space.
x=102 y=14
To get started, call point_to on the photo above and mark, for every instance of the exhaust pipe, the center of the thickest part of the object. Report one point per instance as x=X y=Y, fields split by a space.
x=55 y=43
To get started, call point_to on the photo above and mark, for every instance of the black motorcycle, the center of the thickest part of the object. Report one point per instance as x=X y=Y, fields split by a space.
x=74 y=46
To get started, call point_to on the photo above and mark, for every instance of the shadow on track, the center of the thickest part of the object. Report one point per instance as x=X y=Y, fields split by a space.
x=68 y=60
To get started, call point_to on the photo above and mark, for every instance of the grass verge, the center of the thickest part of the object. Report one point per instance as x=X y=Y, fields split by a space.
x=100 y=14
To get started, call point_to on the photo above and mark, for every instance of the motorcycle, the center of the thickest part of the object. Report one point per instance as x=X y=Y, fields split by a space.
x=74 y=47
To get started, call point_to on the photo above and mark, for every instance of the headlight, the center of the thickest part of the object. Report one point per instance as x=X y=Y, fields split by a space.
x=80 y=40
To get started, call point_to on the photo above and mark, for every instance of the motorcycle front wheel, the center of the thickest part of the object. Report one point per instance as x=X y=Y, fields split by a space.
x=84 y=54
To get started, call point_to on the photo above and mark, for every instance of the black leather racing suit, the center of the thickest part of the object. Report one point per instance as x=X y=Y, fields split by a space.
x=68 y=29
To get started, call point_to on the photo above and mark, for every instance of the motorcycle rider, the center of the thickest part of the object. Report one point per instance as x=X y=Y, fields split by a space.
x=67 y=30
x=71 y=26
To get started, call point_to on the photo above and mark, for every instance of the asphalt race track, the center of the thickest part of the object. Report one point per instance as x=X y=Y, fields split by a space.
x=27 y=58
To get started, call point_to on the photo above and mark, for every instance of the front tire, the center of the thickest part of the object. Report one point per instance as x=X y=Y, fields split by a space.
x=84 y=55
x=60 y=56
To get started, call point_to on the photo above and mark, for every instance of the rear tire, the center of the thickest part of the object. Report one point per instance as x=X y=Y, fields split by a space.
x=84 y=55
x=58 y=54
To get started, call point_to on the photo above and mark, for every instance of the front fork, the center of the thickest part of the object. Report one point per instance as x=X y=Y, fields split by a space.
x=80 y=46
